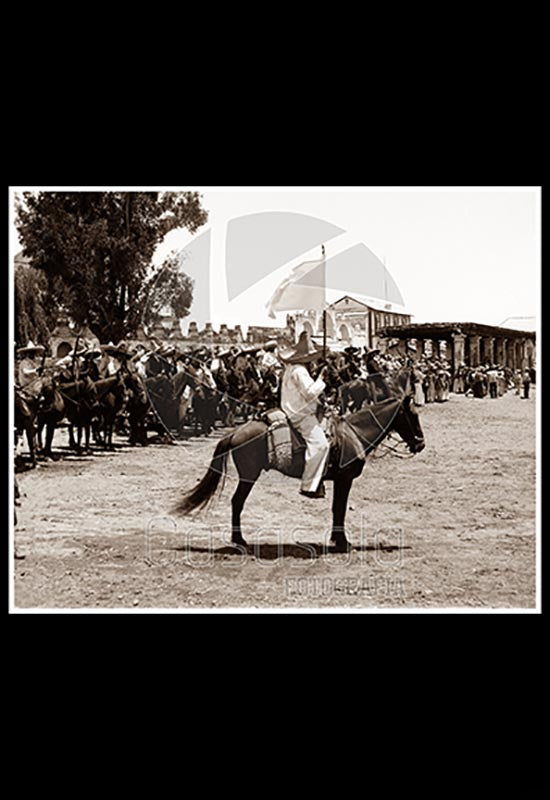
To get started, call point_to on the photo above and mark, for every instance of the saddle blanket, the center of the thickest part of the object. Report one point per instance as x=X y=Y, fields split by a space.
x=285 y=445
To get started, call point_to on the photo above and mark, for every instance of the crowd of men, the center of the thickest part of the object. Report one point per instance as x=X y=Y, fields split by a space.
x=134 y=387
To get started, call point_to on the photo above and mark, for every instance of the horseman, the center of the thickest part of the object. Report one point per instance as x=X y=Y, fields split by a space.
x=28 y=373
x=353 y=364
x=299 y=398
x=108 y=366
x=63 y=369
x=139 y=359
x=375 y=373
x=91 y=358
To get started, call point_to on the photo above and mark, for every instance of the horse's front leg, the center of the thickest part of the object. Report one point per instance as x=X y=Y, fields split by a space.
x=237 y=503
x=50 y=430
x=39 y=426
x=72 y=443
x=30 y=441
x=106 y=429
x=342 y=487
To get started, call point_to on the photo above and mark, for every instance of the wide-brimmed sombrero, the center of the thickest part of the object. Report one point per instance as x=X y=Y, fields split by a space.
x=120 y=351
x=90 y=348
x=93 y=351
x=303 y=353
x=167 y=349
x=30 y=348
x=75 y=353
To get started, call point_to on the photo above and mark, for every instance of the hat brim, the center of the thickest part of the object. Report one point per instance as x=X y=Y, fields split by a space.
x=300 y=358
x=25 y=350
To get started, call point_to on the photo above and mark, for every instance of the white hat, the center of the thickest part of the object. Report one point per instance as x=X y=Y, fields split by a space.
x=31 y=348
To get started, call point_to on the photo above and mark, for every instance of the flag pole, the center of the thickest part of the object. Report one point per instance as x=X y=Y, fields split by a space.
x=324 y=314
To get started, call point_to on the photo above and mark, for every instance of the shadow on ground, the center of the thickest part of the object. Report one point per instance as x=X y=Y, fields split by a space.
x=301 y=550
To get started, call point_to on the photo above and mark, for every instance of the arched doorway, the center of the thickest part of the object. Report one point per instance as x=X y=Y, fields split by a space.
x=63 y=349
x=343 y=333
x=307 y=326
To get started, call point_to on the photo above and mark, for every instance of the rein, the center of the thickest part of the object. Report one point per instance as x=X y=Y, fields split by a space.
x=389 y=449
x=384 y=430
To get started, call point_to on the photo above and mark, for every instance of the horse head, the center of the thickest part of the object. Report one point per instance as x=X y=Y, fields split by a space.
x=407 y=421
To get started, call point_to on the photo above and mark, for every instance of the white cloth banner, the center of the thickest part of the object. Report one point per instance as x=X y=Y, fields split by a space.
x=304 y=289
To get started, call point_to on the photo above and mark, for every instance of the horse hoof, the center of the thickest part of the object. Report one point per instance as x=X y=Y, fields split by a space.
x=340 y=546
x=239 y=542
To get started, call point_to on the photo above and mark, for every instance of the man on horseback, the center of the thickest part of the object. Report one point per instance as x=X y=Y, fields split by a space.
x=299 y=398
x=29 y=369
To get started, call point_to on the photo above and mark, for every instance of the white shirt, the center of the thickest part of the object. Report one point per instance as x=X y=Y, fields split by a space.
x=299 y=392
x=27 y=371
x=269 y=360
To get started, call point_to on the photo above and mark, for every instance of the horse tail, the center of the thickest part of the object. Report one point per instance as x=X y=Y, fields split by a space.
x=204 y=490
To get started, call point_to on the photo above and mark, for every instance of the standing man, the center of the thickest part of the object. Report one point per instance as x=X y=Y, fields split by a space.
x=526 y=384
x=299 y=399
x=492 y=377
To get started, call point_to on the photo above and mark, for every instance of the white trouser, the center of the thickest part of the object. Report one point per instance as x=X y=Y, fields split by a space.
x=317 y=449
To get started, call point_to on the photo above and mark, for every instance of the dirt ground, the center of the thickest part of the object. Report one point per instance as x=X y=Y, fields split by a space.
x=452 y=527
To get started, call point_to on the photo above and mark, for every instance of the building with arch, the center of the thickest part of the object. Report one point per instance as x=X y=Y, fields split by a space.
x=350 y=321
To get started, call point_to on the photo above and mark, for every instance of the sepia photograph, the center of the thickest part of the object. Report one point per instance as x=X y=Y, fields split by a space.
x=301 y=399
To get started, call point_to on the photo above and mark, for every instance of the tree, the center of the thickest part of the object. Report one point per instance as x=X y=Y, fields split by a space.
x=35 y=317
x=99 y=246
x=170 y=289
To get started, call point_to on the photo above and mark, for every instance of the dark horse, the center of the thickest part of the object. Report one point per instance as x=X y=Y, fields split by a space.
x=25 y=415
x=356 y=435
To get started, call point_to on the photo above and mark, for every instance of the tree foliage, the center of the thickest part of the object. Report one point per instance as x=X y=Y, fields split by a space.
x=95 y=250
x=35 y=317
x=170 y=289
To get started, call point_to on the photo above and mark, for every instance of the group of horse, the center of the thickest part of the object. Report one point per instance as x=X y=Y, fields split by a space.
x=370 y=409
x=172 y=395
x=86 y=404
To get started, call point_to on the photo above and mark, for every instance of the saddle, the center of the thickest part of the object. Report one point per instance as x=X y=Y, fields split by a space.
x=286 y=447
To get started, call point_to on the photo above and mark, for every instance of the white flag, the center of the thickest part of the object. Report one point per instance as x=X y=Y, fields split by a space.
x=303 y=290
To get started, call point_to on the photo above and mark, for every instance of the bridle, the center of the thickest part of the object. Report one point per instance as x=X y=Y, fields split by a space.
x=386 y=432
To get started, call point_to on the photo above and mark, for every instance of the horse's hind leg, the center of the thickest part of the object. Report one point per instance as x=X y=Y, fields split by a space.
x=237 y=502
x=342 y=488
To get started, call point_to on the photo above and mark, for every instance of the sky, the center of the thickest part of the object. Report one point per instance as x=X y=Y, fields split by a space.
x=455 y=254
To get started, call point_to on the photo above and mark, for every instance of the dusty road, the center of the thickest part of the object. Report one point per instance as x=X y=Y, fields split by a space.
x=453 y=526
